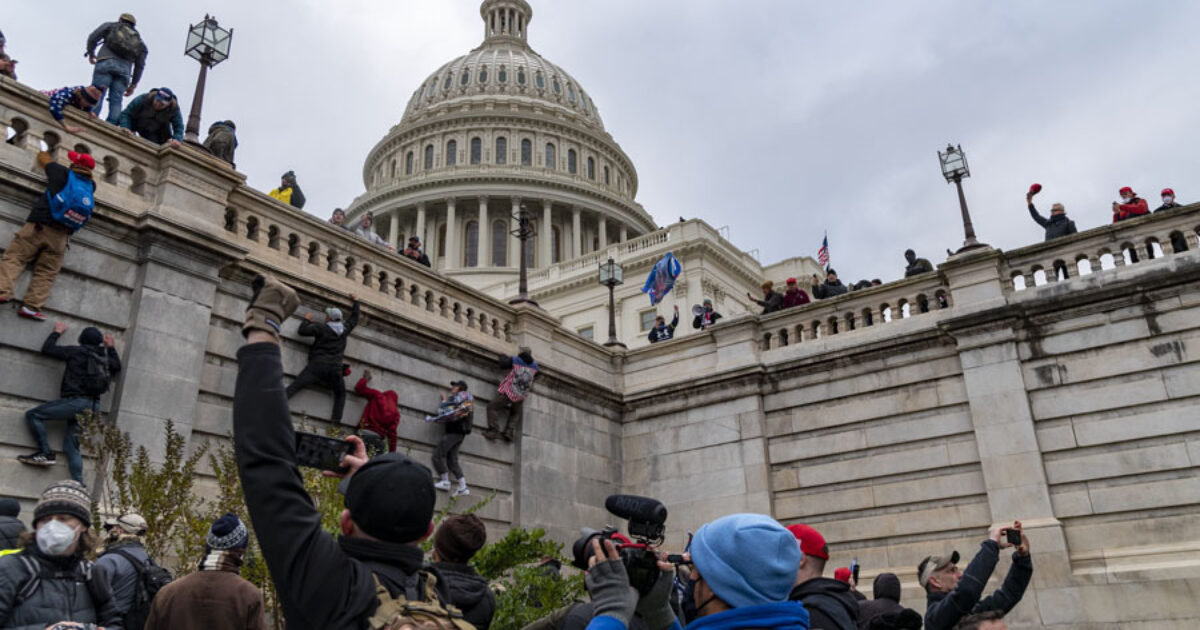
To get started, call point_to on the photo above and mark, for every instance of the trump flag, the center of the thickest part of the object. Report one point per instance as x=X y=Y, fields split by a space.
x=662 y=278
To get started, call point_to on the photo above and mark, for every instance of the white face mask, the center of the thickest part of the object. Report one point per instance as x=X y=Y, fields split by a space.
x=1126 y=199
x=1168 y=199
x=55 y=537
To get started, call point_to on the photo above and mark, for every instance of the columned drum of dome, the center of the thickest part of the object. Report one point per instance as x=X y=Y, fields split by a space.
x=485 y=132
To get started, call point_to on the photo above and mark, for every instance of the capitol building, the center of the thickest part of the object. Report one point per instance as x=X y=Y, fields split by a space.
x=501 y=127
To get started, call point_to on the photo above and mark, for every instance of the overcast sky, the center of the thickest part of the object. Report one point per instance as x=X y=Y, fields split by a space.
x=779 y=118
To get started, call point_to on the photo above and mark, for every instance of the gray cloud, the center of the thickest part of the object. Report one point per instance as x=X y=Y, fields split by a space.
x=781 y=119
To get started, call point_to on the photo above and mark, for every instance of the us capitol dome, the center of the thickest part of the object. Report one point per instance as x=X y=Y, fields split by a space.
x=495 y=128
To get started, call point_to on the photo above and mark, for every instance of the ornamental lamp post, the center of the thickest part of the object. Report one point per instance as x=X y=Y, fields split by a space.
x=524 y=232
x=611 y=275
x=209 y=44
x=954 y=169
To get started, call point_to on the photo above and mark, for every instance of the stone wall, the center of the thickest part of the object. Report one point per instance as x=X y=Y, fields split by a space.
x=1056 y=383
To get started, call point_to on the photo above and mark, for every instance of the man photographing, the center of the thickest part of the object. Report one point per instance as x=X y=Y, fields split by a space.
x=953 y=594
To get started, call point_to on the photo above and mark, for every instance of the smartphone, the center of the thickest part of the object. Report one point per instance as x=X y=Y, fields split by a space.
x=1014 y=536
x=319 y=451
x=854 y=569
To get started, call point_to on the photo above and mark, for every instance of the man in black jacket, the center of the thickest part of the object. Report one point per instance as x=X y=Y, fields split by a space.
x=326 y=354
x=322 y=583
x=885 y=610
x=832 y=287
x=1178 y=242
x=457 y=540
x=43 y=239
x=829 y=603
x=772 y=300
x=11 y=527
x=707 y=317
x=916 y=266
x=90 y=367
x=953 y=594
x=1057 y=225
x=662 y=331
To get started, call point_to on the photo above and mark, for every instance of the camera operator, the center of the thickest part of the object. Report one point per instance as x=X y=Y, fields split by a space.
x=742 y=569
x=953 y=594
x=325 y=583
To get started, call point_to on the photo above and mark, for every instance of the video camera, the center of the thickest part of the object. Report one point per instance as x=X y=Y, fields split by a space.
x=646 y=518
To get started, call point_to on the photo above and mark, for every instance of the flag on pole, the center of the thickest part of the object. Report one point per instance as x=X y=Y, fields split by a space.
x=662 y=278
x=823 y=253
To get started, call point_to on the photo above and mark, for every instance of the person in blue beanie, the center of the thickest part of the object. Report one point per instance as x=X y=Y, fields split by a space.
x=742 y=569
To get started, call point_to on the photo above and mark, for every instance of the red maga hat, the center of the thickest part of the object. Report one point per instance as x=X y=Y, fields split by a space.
x=81 y=159
x=1168 y=191
x=812 y=543
x=842 y=574
x=1126 y=190
x=1035 y=189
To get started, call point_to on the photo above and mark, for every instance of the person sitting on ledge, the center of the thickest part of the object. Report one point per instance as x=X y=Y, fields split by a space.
x=154 y=116
x=56 y=215
x=222 y=140
x=707 y=317
x=832 y=287
x=414 y=252
x=662 y=331
x=366 y=232
x=289 y=191
x=916 y=266
x=326 y=354
x=1130 y=206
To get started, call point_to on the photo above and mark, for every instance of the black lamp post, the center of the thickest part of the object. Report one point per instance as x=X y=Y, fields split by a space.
x=954 y=169
x=611 y=275
x=523 y=232
x=207 y=43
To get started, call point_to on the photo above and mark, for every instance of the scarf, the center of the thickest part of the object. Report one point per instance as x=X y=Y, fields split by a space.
x=226 y=560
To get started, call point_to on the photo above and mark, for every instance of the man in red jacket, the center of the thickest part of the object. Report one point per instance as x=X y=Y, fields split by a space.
x=382 y=413
x=1131 y=206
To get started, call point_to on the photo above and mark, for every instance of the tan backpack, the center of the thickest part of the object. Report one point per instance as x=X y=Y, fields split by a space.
x=399 y=613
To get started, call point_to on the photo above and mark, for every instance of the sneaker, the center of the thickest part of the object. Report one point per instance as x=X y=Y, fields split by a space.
x=461 y=492
x=37 y=459
x=30 y=313
x=442 y=485
x=5 y=300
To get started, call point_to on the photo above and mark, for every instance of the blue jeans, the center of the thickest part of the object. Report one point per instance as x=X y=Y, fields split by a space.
x=62 y=409
x=113 y=74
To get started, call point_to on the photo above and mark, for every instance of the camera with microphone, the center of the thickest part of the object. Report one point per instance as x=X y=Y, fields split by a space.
x=647 y=518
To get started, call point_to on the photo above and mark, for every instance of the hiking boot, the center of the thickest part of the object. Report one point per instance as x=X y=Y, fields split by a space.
x=442 y=485
x=37 y=458
x=272 y=303
x=29 y=313
x=461 y=492
x=508 y=437
x=491 y=434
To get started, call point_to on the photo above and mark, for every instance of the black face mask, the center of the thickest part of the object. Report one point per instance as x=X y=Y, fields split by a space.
x=686 y=590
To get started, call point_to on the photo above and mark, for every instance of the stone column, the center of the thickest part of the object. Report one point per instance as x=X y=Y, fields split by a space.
x=394 y=229
x=545 y=236
x=453 y=252
x=576 y=233
x=624 y=233
x=420 y=229
x=485 y=234
x=602 y=231
x=514 y=243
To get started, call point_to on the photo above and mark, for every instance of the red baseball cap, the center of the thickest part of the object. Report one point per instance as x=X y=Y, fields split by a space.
x=812 y=543
x=842 y=574
x=1035 y=189
x=81 y=159
x=791 y=281
x=1126 y=190
x=1168 y=191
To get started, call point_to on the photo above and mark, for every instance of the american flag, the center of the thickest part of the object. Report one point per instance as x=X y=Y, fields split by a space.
x=823 y=253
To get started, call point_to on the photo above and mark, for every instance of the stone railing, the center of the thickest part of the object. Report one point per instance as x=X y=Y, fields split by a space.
x=192 y=189
x=1134 y=241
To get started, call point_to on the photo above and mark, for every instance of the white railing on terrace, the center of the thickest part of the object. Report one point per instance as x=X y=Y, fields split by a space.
x=134 y=174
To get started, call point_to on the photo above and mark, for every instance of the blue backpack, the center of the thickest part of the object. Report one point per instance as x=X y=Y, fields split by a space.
x=72 y=206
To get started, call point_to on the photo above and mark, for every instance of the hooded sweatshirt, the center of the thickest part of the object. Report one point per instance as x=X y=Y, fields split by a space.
x=829 y=604
x=887 y=600
x=382 y=412
x=329 y=343
x=469 y=592
x=90 y=341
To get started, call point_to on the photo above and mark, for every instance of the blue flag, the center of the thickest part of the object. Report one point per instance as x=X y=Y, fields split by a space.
x=662 y=278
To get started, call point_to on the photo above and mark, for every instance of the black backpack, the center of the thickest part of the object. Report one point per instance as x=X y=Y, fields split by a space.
x=124 y=40
x=96 y=377
x=81 y=572
x=150 y=580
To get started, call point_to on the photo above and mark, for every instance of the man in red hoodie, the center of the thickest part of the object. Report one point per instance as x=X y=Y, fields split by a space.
x=382 y=413
x=1131 y=206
